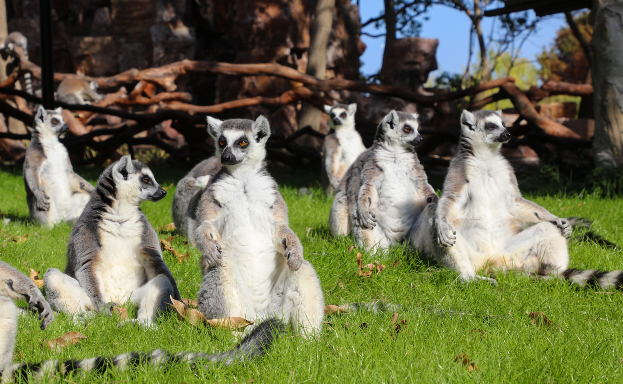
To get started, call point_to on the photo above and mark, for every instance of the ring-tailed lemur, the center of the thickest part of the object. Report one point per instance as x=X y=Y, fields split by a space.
x=113 y=253
x=482 y=218
x=188 y=193
x=252 y=261
x=383 y=193
x=54 y=191
x=17 y=39
x=78 y=90
x=341 y=148
x=15 y=286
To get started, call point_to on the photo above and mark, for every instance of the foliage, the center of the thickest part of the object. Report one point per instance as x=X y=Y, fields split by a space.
x=442 y=330
x=565 y=60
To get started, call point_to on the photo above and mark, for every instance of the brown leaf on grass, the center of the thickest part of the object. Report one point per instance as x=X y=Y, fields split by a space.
x=341 y=285
x=195 y=317
x=350 y=248
x=191 y=303
x=334 y=309
x=167 y=227
x=394 y=317
x=166 y=246
x=167 y=188
x=34 y=276
x=63 y=341
x=539 y=319
x=179 y=307
x=233 y=323
x=17 y=239
x=464 y=360
x=171 y=238
x=122 y=312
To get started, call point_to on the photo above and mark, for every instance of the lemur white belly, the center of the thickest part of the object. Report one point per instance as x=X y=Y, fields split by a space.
x=252 y=270
x=397 y=196
x=351 y=145
x=119 y=265
x=484 y=206
x=54 y=177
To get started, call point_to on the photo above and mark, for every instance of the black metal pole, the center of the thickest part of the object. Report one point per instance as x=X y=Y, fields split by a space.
x=47 y=71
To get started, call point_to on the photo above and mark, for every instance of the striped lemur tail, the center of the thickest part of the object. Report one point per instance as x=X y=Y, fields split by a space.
x=255 y=344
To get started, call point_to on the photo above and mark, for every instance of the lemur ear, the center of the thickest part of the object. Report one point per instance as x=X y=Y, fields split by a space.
x=123 y=168
x=391 y=119
x=41 y=114
x=352 y=108
x=58 y=110
x=327 y=109
x=214 y=127
x=261 y=129
x=468 y=119
x=499 y=112
x=415 y=116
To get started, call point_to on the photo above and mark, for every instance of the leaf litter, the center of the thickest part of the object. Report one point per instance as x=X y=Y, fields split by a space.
x=165 y=245
x=70 y=338
x=372 y=267
x=194 y=317
x=34 y=276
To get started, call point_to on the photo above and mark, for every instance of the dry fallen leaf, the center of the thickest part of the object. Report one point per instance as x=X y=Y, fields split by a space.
x=350 y=248
x=195 y=317
x=171 y=238
x=17 y=239
x=464 y=360
x=181 y=257
x=373 y=267
x=167 y=227
x=539 y=319
x=394 y=317
x=167 y=188
x=63 y=341
x=122 y=312
x=233 y=323
x=333 y=309
x=34 y=276
x=191 y=303
x=341 y=285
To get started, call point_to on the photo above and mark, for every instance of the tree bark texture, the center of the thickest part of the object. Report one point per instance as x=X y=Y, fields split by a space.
x=317 y=59
x=607 y=73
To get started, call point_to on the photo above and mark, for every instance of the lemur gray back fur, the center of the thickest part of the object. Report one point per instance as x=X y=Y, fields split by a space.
x=54 y=192
x=188 y=193
x=78 y=90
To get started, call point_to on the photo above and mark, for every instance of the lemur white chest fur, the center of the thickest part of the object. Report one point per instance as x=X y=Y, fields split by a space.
x=485 y=203
x=350 y=143
x=54 y=175
x=396 y=192
x=246 y=228
x=120 y=264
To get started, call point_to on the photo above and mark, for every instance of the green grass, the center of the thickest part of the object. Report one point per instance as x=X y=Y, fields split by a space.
x=443 y=318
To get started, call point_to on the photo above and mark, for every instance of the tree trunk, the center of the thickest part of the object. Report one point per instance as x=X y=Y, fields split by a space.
x=390 y=26
x=317 y=57
x=607 y=72
x=484 y=59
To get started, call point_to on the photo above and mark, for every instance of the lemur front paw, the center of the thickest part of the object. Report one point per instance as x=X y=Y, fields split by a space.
x=565 y=227
x=446 y=234
x=293 y=252
x=212 y=253
x=107 y=308
x=43 y=308
x=366 y=218
x=43 y=204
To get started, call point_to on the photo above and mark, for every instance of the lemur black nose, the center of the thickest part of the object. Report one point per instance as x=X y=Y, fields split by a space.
x=506 y=135
x=421 y=139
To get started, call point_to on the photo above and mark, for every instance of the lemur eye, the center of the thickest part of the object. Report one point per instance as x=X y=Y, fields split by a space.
x=408 y=129
x=243 y=143
x=343 y=115
x=55 y=121
x=146 y=180
x=221 y=143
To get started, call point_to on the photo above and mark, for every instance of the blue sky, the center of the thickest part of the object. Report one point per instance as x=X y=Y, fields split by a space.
x=451 y=27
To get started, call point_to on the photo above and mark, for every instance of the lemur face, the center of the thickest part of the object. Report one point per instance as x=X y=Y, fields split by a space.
x=135 y=183
x=239 y=140
x=50 y=122
x=485 y=126
x=341 y=115
x=400 y=129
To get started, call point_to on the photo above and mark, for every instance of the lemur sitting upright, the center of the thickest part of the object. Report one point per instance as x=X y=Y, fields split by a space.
x=482 y=218
x=15 y=286
x=188 y=193
x=341 y=148
x=54 y=192
x=113 y=253
x=383 y=193
x=252 y=261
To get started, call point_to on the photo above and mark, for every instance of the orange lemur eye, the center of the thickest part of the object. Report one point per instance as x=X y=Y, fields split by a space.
x=221 y=143
x=343 y=115
x=243 y=143
x=54 y=121
x=146 y=180
x=408 y=130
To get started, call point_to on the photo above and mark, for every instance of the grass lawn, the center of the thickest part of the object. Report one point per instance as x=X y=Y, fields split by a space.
x=442 y=318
